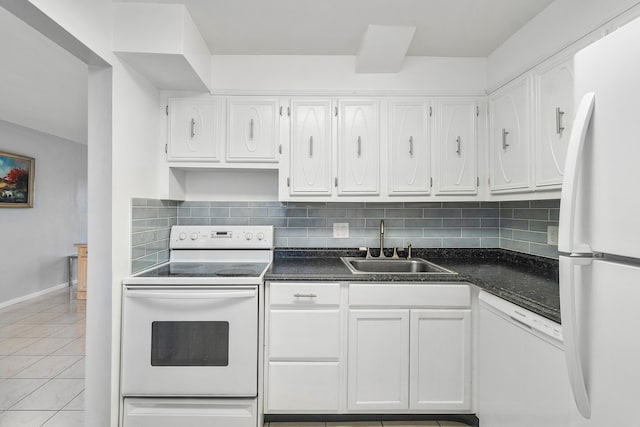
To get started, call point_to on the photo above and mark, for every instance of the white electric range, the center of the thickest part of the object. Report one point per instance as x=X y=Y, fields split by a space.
x=190 y=329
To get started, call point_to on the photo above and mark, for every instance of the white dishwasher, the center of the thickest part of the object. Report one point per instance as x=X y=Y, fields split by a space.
x=522 y=376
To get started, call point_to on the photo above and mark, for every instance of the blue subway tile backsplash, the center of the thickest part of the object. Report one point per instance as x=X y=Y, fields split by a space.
x=518 y=225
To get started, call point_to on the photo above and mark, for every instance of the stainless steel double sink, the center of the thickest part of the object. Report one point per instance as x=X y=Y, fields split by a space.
x=393 y=266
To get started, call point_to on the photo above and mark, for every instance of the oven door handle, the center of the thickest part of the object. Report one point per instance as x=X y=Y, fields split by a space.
x=191 y=295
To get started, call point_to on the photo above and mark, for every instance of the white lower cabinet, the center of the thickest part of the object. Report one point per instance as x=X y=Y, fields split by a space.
x=393 y=348
x=303 y=351
x=440 y=359
x=303 y=386
x=415 y=354
x=378 y=360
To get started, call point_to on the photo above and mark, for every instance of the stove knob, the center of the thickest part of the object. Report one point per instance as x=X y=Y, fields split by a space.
x=248 y=236
x=182 y=236
x=194 y=236
x=260 y=236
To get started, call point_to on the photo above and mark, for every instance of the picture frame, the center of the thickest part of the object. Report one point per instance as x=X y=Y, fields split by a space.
x=17 y=174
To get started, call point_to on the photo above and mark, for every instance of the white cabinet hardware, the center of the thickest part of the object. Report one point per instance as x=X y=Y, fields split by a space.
x=505 y=145
x=559 y=127
x=298 y=295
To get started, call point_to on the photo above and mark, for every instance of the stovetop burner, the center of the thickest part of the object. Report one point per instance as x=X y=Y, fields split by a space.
x=207 y=269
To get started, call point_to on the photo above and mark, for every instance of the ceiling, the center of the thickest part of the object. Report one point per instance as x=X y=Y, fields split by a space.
x=43 y=86
x=459 y=28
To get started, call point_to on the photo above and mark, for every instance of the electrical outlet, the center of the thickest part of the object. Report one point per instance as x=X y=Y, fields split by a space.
x=341 y=230
x=552 y=234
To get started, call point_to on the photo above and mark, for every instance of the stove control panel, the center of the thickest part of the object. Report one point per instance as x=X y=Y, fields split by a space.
x=221 y=237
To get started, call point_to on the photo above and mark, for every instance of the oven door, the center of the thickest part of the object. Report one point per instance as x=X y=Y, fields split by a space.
x=190 y=341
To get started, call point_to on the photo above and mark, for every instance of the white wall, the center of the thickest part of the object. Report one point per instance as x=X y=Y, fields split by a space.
x=36 y=241
x=123 y=134
x=282 y=73
x=559 y=25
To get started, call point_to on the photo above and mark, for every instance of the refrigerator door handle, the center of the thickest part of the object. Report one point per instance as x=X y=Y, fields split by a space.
x=568 y=308
x=566 y=238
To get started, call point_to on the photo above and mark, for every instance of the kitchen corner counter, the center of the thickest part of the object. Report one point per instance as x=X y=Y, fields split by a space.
x=528 y=281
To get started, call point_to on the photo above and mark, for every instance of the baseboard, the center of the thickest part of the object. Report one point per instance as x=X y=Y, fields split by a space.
x=34 y=294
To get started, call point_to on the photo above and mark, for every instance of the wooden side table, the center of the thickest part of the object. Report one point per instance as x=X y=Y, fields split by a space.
x=83 y=253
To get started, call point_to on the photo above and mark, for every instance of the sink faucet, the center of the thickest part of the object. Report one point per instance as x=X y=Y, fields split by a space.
x=382 y=255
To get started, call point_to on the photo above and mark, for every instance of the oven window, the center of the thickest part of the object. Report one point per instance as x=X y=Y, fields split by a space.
x=190 y=344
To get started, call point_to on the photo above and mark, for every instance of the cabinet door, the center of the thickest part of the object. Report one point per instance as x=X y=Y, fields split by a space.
x=409 y=148
x=440 y=360
x=304 y=334
x=554 y=113
x=303 y=387
x=358 y=148
x=311 y=154
x=193 y=127
x=253 y=130
x=455 y=146
x=378 y=371
x=509 y=137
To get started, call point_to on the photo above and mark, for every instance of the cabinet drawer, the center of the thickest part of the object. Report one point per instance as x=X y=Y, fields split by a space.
x=304 y=294
x=303 y=387
x=304 y=334
x=409 y=295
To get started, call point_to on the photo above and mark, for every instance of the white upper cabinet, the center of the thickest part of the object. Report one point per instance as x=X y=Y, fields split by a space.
x=554 y=118
x=509 y=137
x=193 y=129
x=253 y=129
x=311 y=147
x=358 y=147
x=409 y=147
x=455 y=146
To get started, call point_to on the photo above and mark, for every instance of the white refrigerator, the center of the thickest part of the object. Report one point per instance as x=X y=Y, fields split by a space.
x=599 y=241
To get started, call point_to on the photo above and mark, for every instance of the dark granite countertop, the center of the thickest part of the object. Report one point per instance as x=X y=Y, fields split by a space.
x=528 y=281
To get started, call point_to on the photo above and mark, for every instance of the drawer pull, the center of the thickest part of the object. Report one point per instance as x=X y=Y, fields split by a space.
x=305 y=295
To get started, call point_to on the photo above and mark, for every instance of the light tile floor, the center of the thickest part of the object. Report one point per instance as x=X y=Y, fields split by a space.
x=42 y=362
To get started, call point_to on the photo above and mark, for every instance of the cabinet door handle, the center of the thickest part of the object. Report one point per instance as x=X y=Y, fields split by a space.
x=359 y=146
x=311 y=146
x=251 y=130
x=193 y=128
x=305 y=295
x=411 y=146
x=458 y=151
x=504 y=138
x=559 y=114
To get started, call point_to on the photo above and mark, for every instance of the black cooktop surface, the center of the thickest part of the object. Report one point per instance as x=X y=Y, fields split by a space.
x=207 y=269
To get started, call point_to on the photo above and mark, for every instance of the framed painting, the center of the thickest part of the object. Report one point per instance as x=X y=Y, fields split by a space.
x=16 y=180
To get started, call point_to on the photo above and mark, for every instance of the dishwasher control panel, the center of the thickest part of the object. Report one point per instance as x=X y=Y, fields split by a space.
x=522 y=316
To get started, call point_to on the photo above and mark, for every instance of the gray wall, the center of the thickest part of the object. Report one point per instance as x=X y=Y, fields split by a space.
x=310 y=225
x=150 y=227
x=519 y=226
x=36 y=241
x=523 y=226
